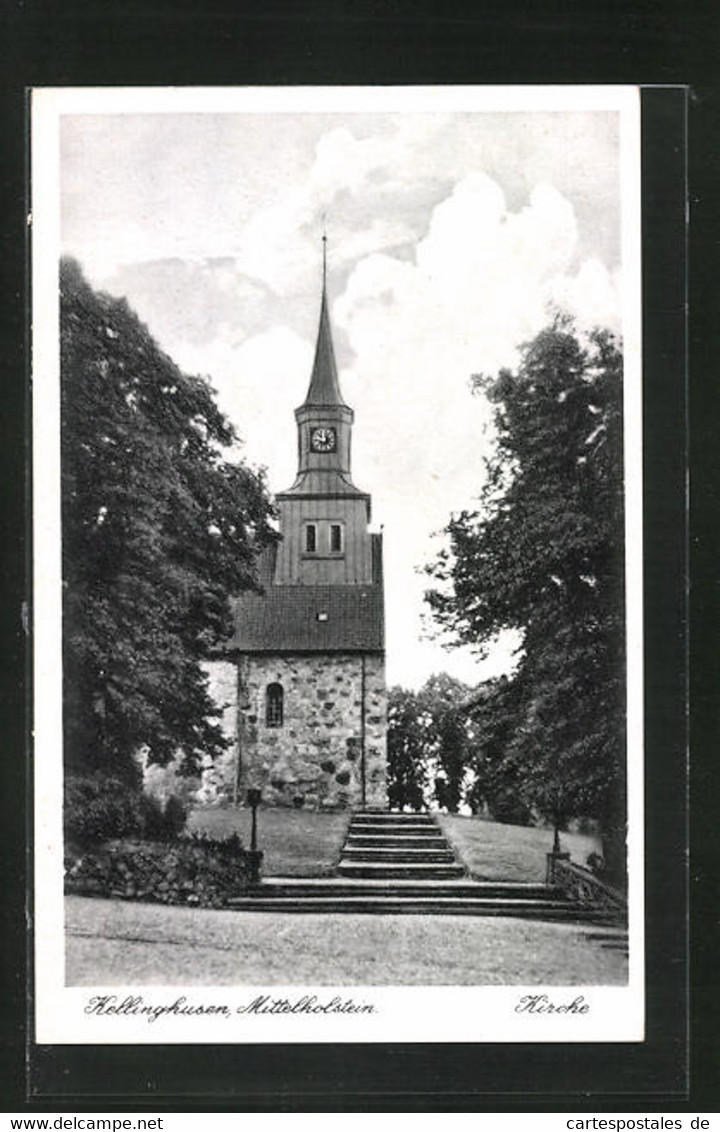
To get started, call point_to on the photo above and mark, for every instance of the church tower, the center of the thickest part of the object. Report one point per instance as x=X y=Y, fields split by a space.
x=308 y=653
x=323 y=516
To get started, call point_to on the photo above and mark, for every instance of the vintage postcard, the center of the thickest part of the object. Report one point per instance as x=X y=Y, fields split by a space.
x=337 y=507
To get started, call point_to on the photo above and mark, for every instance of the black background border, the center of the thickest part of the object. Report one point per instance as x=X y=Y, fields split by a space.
x=163 y=44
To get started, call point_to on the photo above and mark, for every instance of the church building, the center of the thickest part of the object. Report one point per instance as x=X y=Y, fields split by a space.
x=305 y=667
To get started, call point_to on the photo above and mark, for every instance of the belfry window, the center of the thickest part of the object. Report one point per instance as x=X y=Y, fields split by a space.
x=310 y=538
x=336 y=538
x=274 y=707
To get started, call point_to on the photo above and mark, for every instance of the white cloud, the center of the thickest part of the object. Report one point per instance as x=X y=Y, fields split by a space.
x=258 y=384
x=452 y=235
x=481 y=284
x=592 y=295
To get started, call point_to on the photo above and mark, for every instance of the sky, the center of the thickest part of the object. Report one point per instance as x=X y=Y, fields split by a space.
x=451 y=237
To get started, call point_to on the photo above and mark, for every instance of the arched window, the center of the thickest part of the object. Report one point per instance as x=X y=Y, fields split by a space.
x=274 y=705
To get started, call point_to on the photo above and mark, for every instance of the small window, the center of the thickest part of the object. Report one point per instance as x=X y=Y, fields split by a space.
x=274 y=705
x=335 y=538
x=310 y=538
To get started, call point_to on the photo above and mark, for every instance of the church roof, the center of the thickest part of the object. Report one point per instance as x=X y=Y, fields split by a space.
x=329 y=482
x=309 y=619
x=301 y=618
x=324 y=386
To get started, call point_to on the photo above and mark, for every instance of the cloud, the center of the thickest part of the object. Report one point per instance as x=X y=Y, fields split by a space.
x=451 y=238
x=259 y=383
x=482 y=283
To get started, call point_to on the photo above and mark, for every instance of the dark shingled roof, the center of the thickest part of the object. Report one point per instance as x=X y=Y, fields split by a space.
x=285 y=619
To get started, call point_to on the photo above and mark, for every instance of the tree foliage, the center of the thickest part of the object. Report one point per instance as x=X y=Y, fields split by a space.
x=407 y=776
x=428 y=744
x=543 y=555
x=159 y=530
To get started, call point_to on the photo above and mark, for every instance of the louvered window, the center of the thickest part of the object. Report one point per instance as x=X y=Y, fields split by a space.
x=335 y=538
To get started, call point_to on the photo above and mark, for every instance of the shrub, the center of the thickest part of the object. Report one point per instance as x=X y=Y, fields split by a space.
x=510 y=809
x=596 y=864
x=162 y=822
x=175 y=816
x=97 y=808
x=101 y=809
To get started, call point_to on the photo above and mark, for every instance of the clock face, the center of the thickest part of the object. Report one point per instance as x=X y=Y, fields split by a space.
x=323 y=439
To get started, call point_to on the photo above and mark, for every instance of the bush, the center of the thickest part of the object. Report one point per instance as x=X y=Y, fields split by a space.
x=162 y=822
x=510 y=809
x=198 y=871
x=175 y=816
x=101 y=809
x=596 y=865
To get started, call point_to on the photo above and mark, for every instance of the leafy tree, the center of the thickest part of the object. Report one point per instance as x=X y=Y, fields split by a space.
x=543 y=554
x=159 y=530
x=407 y=772
x=428 y=744
x=499 y=779
x=446 y=737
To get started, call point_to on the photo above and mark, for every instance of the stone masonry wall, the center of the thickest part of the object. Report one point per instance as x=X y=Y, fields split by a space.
x=219 y=775
x=314 y=759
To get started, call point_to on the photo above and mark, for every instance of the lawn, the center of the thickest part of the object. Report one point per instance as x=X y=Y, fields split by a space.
x=295 y=843
x=493 y=851
x=112 y=942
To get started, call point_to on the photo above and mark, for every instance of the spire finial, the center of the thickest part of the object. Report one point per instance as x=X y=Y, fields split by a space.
x=324 y=246
x=324 y=388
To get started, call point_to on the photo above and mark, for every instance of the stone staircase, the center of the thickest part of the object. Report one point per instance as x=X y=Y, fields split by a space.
x=387 y=846
x=402 y=864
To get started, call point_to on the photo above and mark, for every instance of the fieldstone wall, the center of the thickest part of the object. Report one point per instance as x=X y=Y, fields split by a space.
x=218 y=782
x=314 y=759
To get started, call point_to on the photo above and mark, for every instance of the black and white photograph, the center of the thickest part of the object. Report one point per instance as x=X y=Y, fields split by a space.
x=338 y=564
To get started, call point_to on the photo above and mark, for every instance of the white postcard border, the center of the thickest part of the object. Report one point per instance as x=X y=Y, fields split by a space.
x=406 y=1014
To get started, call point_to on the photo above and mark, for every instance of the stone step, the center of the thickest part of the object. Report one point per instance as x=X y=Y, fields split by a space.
x=397 y=820
x=395 y=855
x=399 y=814
x=395 y=826
x=387 y=840
x=397 y=831
x=416 y=823
x=395 y=905
x=368 y=870
x=428 y=889
x=394 y=819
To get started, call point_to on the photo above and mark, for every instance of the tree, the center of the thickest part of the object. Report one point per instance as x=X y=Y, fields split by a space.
x=446 y=737
x=428 y=741
x=543 y=555
x=159 y=531
x=499 y=784
x=407 y=773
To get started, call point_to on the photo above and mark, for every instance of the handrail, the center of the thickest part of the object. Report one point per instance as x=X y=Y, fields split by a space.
x=581 y=885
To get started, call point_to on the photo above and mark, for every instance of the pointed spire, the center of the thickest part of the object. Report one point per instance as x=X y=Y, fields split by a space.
x=324 y=244
x=324 y=386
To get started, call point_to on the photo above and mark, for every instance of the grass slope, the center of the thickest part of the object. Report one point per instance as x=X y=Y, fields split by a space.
x=295 y=843
x=494 y=851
